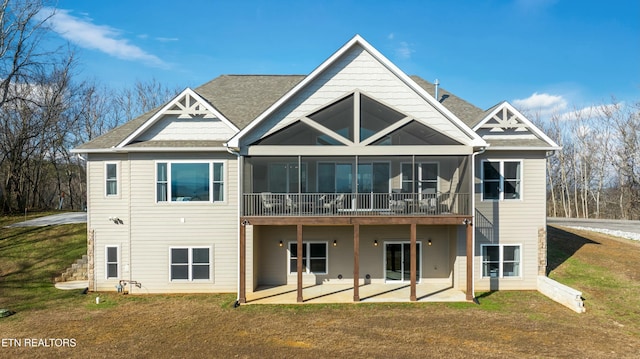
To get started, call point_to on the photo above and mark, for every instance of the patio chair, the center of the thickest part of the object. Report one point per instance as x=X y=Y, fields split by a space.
x=290 y=205
x=270 y=203
x=429 y=202
x=397 y=202
x=331 y=205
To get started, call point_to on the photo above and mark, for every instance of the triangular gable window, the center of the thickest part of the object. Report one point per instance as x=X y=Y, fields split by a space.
x=375 y=117
x=298 y=134
x=354 y=119
x=337 y=117
x=415 y=134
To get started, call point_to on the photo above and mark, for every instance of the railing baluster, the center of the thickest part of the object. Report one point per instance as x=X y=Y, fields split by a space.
x=352 y=204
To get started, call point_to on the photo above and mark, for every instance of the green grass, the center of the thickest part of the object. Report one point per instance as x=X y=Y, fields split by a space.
x=31 y=258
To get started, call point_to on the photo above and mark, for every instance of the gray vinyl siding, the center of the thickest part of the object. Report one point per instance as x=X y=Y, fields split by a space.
x=513 y=221
x=150 y=229
x=100 y=208
x=171 y=127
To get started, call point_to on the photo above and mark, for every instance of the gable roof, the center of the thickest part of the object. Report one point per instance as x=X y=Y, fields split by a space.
x=244 y=100
x=194 y=103
x=504 y=127
x=359 y=41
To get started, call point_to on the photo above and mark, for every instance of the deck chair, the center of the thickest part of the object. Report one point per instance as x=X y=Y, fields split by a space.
x=270 y=203
x=396 y=201
x=429 y=201
x=331 y=205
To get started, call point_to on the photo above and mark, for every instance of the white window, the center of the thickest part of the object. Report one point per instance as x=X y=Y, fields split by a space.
x=111 y=262
x=501 y=260
x=501 y=180
x=190 y=263
x=111 y=179
x=314 y=257
x=190 y=181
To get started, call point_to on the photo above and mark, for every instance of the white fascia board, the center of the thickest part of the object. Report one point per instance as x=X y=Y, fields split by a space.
x=533 y=128
x=152 y=149
x=516 y=148
x=169 y=105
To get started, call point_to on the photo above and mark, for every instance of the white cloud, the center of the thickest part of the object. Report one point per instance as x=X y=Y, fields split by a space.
x=390 y=36
x=404 y=51
x=84 y=33
x=543 y=104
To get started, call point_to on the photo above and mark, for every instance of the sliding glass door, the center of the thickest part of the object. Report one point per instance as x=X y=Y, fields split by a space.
x=398 y=261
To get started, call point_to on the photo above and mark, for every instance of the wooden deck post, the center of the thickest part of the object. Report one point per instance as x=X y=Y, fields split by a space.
x=470 y=278
x=413 y=296
x=242 y=291
x=356 y=262
x=299 y=263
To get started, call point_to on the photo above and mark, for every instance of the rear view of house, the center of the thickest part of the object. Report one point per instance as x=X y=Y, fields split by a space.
x=355 y=178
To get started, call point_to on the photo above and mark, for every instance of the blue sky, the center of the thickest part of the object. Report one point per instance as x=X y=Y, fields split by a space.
x=541 y=54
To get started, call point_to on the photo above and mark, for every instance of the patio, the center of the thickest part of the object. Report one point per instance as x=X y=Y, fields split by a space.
x=343 y=293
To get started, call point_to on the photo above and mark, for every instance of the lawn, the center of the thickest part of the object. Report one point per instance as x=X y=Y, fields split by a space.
x=505 y=324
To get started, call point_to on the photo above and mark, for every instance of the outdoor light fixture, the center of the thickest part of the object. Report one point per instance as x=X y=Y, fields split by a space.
x=375 y=243
x=429 y=242
x=280 y=244
x=335 y=243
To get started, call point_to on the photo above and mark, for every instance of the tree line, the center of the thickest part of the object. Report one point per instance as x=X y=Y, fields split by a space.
x=46 y=110
x=597 y=172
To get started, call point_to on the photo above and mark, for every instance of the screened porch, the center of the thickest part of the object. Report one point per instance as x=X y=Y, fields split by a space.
x=356 y=185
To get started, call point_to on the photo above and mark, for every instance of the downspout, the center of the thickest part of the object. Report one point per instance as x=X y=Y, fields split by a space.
x=93 y=242
x=129 y=225
x=473 y=221
x=235 y=152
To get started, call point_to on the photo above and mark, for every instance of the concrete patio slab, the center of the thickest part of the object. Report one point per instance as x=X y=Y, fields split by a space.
x=343 y=293
x=75 y=284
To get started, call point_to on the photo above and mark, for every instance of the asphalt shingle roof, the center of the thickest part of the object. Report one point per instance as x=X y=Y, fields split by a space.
x=242 y=98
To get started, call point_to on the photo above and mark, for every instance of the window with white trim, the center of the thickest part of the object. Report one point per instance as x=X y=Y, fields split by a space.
x=190 y=263
x=190 y=181
x=111 y=179
x=111 y=262
x=314 y=257
x=501 y=180
x=501 y=260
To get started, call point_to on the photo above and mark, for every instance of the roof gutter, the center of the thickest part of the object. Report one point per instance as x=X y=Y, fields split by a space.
x=150 y=149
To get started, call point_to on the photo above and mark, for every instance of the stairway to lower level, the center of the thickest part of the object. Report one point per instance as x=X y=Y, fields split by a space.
x=77 y=271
